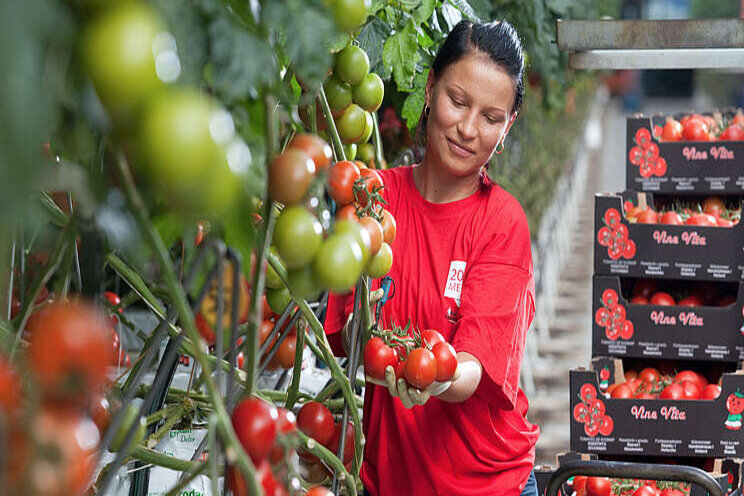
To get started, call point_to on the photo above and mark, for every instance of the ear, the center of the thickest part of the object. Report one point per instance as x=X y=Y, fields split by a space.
x=430 y=81
x=509 y=125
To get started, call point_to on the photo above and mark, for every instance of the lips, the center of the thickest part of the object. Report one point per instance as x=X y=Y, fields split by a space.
x=459 y=149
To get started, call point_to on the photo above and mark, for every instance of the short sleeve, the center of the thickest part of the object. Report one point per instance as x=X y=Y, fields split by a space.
x=337 y=312
x=497 y=307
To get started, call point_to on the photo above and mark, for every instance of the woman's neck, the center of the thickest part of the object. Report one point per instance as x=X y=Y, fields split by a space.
x=437 y=186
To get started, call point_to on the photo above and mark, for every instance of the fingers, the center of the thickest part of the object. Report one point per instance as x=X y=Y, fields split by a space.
x=438 y=388
x=418 y=397
x=376 y=295
x=403 y=391
x=390 y=381
x=372 y=380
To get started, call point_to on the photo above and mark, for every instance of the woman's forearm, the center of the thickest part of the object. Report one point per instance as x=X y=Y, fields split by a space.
x=471 y=371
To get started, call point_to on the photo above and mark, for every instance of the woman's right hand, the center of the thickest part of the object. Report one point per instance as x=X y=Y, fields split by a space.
x=409 y=395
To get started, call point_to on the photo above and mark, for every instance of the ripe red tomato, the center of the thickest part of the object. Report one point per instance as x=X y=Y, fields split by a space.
x=316 y=421
x=271 y=487
x=254 y=421
x=374 y=229
x=341 y=178
x=347 y=212
x=692 y=376
x=389 y=227
x=724 y=222
x=430 y=337
x=649 y=375
x=622 y=391
x=348 y=441
x=701 y=220
x=285 y=355
x=10 y=389
x=639 y=300
x=372 y=183
x=662 y=298
x=286 y=421
x=690 y=301
x=645 y=490
x=690 y=390
x=70 y=349
x=290 y=175
x=672 y=130
x=672 y=392
x=671 y=492
x=421 y=368
x=314 y=146
x=446 y=361
x=647 y=217
x=671 y=218
x=377 y=357
x=695 y=129
x=732 y=133
x=319 y=491
x=598 y=486
x=711 y=392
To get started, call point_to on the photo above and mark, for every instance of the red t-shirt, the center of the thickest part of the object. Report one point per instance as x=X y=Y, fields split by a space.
x=465 y=269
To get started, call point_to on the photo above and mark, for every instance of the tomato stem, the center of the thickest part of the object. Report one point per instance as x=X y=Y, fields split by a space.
x=376 y=140
x=338 y=147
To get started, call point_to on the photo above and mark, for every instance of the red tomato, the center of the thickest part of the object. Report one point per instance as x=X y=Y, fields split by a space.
x=319 y=491
x=714 y=205
x=372 y=183
x=672 y=392
x=430 y=337
x=376 y=234
x=639 y=300
x=270 y=485
x=645 y=490
x=690 y=301
x=672 y=130
x=647 y=217
x=377 y=357
x=649 y=375
x=711 y=392
x=692 y=376
x=341 y=178
x=254 y=421
x=733 y=133
x=348 y=441
x=662 y=298
x=622 y=391
x=316 y=421
x=285 y=355
x=630 y=374
x=446 y=358
x=421 y=368
x=10 y=389
x=672 y=218
x=400 y=368
x=314 y=146
x=113 y=299
x=598 y=486
x=347 y=212
x=724 y=222
x=690 y=390
x=695 y=129
x=70 y=349
x=389 y=227
x=701 y=220
x=579 y=485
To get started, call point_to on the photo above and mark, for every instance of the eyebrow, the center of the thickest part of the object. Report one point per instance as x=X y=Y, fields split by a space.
x=457 y=87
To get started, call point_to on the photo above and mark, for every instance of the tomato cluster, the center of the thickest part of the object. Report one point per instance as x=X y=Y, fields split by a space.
x=698 y=127
x=614 y=235
x=317 y=422
x=612 y=316
x=604 y=486
x=591 y=411
x=689 y=294
x=420 y=359
x=649 y=383
x=711 y=212
x=645 y=155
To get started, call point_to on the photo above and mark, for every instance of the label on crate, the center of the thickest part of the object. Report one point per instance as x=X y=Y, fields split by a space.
x=685 y=350
x=719 y=271
x=687 y=269
x=684 y=183
x=668 y=445
x=652 y=349
x=717 y=183
x=701 y=446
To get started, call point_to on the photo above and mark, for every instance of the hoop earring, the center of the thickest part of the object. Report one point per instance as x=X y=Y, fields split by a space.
x=499 y=148
x=427 y=110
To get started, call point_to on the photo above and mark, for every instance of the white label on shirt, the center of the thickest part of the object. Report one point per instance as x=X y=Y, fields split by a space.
x=453 y=287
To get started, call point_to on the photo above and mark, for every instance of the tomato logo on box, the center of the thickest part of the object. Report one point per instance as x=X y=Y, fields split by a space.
x=645 y=155
x=614 y=236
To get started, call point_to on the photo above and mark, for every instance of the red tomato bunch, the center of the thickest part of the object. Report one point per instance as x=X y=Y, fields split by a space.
x=591 y=411
x=698 y=127
x=711 y=212
x=614 y=236
x=121 y=357
x=649 y=383
x=645 y=155
x=317 y=422
x=612 y=316
x=420 y=359
x=689 y=294
x=604 y=486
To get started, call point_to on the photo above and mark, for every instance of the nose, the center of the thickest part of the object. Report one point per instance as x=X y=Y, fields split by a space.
x=467 y=127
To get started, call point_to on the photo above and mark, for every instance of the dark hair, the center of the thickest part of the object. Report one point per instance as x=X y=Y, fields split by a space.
x=497 y=39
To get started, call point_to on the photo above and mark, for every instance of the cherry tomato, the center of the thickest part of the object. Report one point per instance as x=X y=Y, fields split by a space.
x=598 y=486
x=672 y=130
x=315 y=147
x=690 y=390
x=290 y=175
x=389 y=227
x=286 y=421
x=341 y=178
x=377 y=357
x=69 y=349
x=348 y=212
x=374 y=229
x=622 y=391
x=732 y=133
x=369 y=93
x=254 y=421
x=339 y=262
x=381 y=263
x=662 y=298
x=316 y=421
x=297 y=236
x=692 y=376
x=649 y=375
x=352 y=123
x=421 y=368
x=446 y=358
x=711 y=392
x=672 y=392
x=351 y=64
x=278 y=299
x=285 y=355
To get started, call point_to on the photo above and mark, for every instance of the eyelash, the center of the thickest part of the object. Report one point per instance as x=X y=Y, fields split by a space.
x=459 y=104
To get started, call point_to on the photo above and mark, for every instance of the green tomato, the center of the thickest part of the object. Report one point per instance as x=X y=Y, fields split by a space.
x=369 y=126
x=351 y=124
x=351 y=64
x=359 y=233
x=297 y=236
x=350 y=150
x=338 y=264
x=118 y=52
x=273 y=280
x=338 y=93
x=278 y=299
x=303 y=283
x=366 y=152
x=131 y=416
x=181 y=157
x=348 y=14
x=380 y=263
x=369 y=93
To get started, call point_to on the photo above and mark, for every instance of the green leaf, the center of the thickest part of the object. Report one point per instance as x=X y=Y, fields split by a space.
x=376 y=6
x=450 y=15
x=409 y=5
x=371 y=39
x=425 y=11
x=483 y=8
x=400 y=54
x=242 y=62
x=414 y=102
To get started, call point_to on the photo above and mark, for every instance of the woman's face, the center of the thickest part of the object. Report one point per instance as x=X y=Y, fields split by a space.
x=470 y=113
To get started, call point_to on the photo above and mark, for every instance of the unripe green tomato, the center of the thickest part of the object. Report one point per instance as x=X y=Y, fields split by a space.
x=348 y=14
x=278 y=299
x=369 y=126
x=381 y=263
x=131 y=415
x=351 y=124
x=350 y=150
x=359 y=233
x=339 y=95
x=351 y=64
x=338 y=264
x=118 y=47
x=369 y=93
x=303 y=283
x=297 y=236
x=366 y=152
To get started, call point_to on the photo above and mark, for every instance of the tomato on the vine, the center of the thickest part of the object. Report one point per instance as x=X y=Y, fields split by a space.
x=254 y=421
x=662 y=298
x=338 y=264
x=369 y=93
x=349 y=14
x=348 y=441
x=303 y=282
x=374 y=229
x=421 y=368
x=348 y=212
x=695 y=129
x=338 y=93
x=10 y=389
x=316 y=421
x=285 y=355
x=672 y=392
x=290 y=175
x=341 y=178
x=315 y=147
x=372 y=183
x=598 y=486
x=389 y=227
x=381 y=263
x=297 y=236
x=278 y=299
x=446 y=358
x=377 y=357
x=351 y=64
x=351 y=124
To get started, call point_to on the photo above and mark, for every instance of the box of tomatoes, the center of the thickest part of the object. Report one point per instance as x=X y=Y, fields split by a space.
x=656 y=412
x=642 y=235
x=668 y=319
x=686 y=153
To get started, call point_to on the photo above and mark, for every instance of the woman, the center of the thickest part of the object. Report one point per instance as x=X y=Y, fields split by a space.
x=462 y=266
